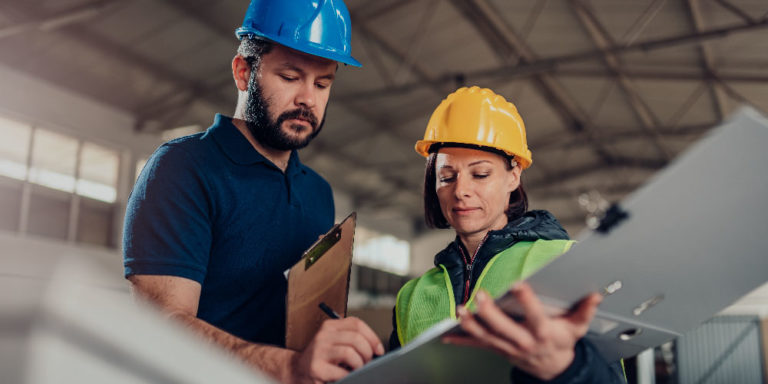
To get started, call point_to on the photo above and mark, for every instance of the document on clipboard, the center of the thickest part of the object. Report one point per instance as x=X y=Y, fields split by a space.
x=681 y=248
x=321 y=275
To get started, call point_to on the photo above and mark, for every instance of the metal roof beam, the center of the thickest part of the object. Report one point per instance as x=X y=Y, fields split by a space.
x=125 y=55
x=642 y=22
x=553 y=64
x=508 y=45
x=422 y=74
x=719 y=100
x=736 y=11
x=52 y=22
x=376 y=9
x=603 y=40
x=589 y=169
x=558 y=142
x=665 y=75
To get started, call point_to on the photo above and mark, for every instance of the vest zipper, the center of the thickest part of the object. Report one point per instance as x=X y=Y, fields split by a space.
x=469 y=265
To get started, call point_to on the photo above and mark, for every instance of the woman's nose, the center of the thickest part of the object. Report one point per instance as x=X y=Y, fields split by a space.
x=463 y=186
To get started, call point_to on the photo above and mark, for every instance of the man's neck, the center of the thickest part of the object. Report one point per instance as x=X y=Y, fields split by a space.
x=277 y=157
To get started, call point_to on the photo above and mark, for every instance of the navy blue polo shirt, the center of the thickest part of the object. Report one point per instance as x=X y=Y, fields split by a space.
x=210 y=208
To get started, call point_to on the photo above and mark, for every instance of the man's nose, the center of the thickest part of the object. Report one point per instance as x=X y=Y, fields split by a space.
x=306 y=95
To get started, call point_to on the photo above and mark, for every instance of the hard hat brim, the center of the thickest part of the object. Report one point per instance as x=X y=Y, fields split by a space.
x=301 y=47
x=422 y=147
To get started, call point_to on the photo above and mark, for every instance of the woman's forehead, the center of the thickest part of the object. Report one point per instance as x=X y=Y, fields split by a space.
x=466 y=156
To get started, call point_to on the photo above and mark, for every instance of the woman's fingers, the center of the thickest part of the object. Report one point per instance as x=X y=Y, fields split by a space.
x=501 y=324
x=487 y=335
x=582 y=316
x=535 y=316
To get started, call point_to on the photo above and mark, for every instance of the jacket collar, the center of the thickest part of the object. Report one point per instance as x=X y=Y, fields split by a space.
x=532 y=226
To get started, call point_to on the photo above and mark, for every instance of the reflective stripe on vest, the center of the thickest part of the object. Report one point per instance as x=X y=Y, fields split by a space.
x=427 y=300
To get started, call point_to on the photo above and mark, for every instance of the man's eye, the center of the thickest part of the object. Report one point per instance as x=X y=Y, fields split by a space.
x=288 y=78
x=321 y=85
x=447 y=179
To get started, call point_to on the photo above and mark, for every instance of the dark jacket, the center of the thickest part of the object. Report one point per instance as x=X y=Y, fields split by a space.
x=464 y=269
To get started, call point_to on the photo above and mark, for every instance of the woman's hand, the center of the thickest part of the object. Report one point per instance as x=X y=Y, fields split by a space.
x=541 y=345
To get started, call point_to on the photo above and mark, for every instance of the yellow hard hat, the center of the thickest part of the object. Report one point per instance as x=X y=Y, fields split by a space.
x=477 y=116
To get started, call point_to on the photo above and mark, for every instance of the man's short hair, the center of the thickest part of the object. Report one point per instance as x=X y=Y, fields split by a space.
x=253 y=48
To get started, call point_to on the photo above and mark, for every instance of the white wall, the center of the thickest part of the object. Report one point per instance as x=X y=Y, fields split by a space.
x=44 y=104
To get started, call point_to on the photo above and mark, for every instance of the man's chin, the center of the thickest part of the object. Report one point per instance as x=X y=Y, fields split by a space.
x=298 y=140
x=297 y=130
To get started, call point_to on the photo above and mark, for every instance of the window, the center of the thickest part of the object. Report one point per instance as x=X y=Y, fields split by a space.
x=58 y=168
x=14 y=148
x=384 y=252
x=53 y=160
x=98 y=173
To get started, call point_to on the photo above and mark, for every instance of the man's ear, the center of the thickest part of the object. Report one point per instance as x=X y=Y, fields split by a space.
x=241 y=72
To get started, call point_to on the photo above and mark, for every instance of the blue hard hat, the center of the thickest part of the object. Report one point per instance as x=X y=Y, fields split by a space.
x=317 y=27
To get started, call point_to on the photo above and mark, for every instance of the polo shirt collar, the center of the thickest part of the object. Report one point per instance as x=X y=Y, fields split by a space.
x=238 y=149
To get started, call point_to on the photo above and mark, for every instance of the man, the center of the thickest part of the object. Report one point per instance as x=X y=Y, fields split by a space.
x=216 y=217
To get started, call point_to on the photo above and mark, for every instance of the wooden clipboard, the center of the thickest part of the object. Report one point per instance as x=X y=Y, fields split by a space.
x=321 y=275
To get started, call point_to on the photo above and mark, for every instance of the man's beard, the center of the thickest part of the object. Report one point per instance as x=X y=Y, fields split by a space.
x=269 y=132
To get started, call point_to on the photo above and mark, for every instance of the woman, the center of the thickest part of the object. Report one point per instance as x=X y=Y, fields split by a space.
x=476 y=150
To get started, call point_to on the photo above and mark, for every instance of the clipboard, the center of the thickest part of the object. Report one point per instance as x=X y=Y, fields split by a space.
x=321 y=275
x=674 y=253
x=682 y=247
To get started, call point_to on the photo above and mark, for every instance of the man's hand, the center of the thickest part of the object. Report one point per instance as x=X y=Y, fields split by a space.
x=541 y=345
x=339 y=347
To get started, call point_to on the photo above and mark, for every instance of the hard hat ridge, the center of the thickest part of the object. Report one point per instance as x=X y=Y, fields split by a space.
x=317 y=27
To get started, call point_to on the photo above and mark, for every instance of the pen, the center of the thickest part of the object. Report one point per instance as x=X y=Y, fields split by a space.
x=328 y=311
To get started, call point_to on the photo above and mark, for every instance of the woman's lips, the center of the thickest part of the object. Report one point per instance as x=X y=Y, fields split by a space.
x=464 y=211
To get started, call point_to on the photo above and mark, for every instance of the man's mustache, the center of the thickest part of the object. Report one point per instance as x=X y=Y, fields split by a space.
x=299 y=114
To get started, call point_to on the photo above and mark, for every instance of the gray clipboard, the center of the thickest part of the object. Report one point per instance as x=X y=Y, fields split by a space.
x=694 y=240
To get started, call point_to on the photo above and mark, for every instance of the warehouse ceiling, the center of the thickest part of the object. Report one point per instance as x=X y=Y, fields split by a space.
x=610 y=90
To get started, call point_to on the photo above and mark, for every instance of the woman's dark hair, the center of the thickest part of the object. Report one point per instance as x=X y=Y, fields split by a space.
x=433 y=215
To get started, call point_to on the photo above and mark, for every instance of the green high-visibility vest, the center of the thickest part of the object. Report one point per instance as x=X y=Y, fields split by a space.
x=427 y=300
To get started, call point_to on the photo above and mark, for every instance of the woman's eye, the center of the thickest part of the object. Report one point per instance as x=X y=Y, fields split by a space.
x=288 y=78
x=481 y=175
x=447 y=179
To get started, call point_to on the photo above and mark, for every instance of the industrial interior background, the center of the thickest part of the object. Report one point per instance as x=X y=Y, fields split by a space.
x=610 y=91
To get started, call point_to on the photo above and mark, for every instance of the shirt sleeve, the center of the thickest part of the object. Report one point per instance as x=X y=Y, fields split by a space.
x=168 y=218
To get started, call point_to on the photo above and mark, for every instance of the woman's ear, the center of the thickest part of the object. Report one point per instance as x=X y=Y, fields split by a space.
x=513 y=180
x=241 y=72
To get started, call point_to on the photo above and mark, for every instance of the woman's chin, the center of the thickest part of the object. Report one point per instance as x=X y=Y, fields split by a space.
x=466 y=227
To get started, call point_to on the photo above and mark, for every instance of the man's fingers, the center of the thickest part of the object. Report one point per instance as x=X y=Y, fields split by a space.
x=356 y=341
x=346 y=356
x=356 y=325
x=326 y=371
